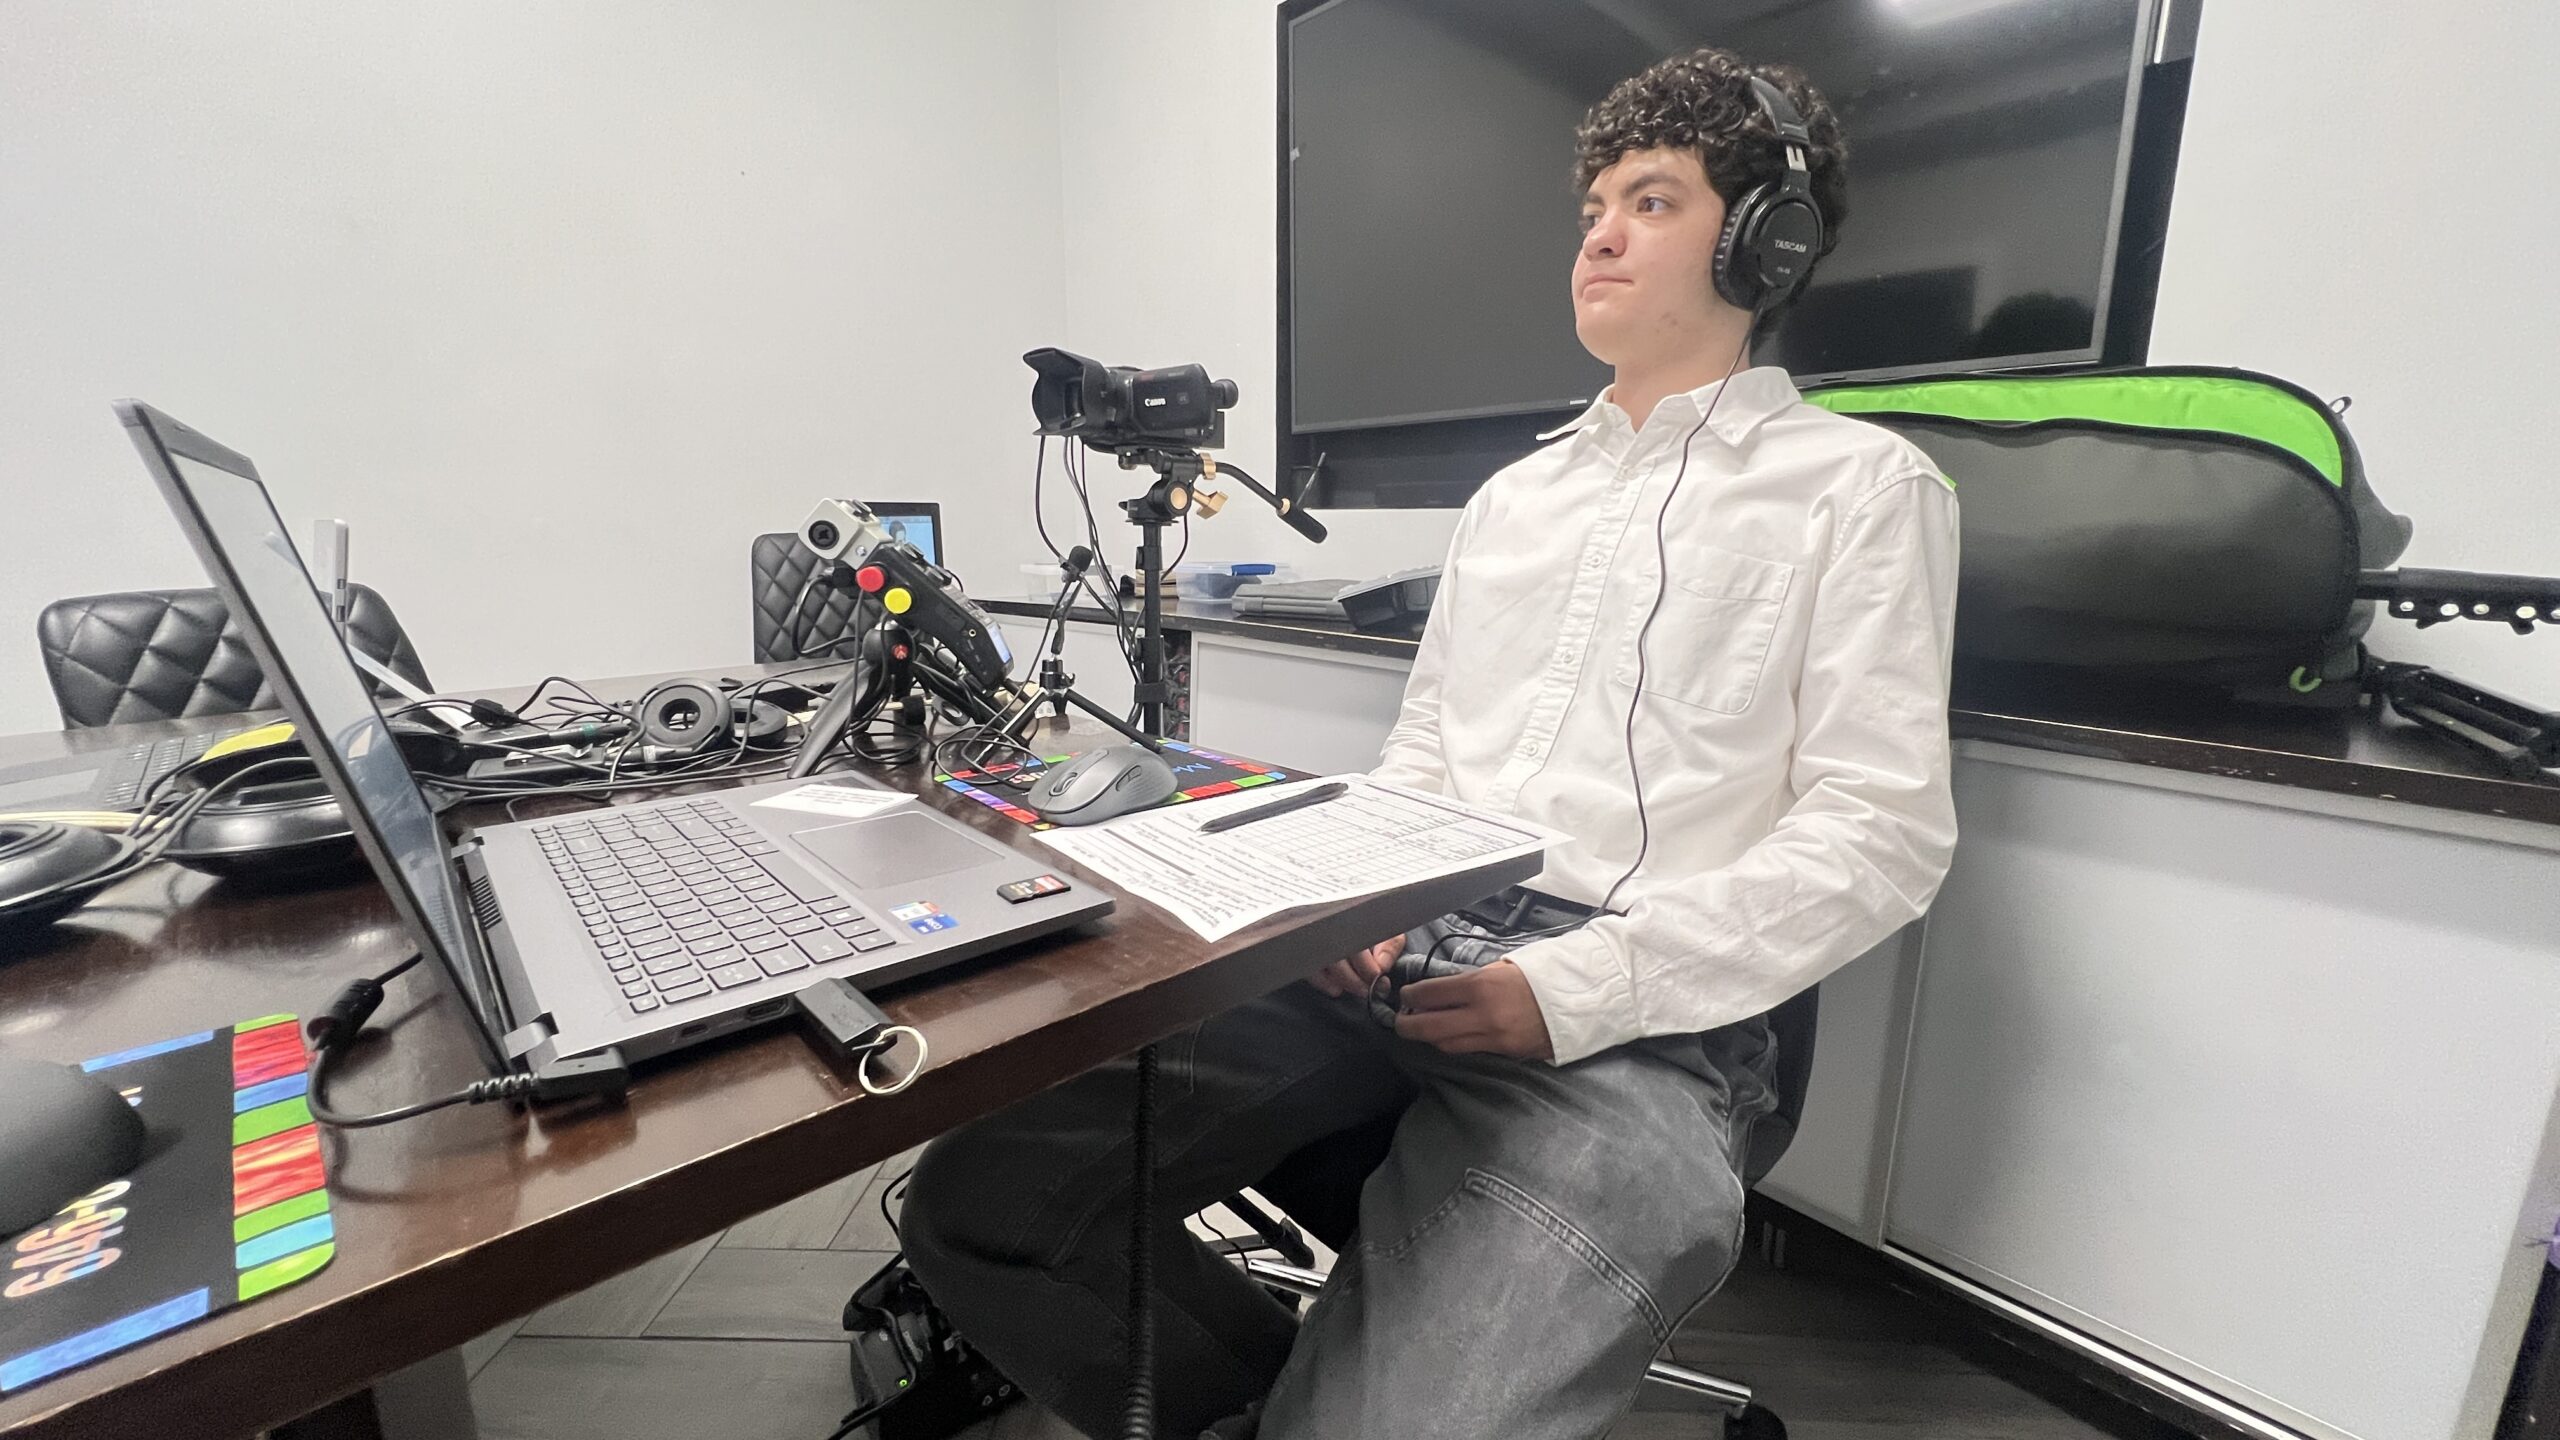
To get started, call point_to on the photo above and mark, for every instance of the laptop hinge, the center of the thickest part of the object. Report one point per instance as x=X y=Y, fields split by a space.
x=488 y=926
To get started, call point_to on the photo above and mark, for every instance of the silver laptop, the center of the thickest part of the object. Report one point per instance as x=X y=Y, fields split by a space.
x=1294 y=599
x=643 y=928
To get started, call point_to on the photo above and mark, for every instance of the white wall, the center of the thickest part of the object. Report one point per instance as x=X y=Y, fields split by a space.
x=2316 y=135
x=2313 y=134
x=1171 y=254
x=546 y=298
x=558 y=304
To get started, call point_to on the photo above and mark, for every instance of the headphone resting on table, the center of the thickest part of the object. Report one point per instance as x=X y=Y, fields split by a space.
x=687 y=717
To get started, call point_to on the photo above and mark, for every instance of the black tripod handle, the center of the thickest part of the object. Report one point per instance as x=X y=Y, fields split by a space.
x=2431 y=597
x=1296 y=518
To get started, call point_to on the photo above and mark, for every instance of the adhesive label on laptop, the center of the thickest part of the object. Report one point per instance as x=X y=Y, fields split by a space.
x=852 y=801
x=924 y=917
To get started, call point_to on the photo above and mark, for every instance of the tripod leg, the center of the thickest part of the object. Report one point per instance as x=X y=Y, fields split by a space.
x=854 y=695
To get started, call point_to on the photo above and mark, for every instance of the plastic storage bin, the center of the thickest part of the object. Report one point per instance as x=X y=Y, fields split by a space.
x=1215 y=581
x=1042 y=581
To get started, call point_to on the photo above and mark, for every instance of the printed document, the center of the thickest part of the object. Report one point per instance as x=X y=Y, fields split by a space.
x=1376 y=837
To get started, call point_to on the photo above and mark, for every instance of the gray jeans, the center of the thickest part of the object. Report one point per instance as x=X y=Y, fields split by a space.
x=1533 y=1237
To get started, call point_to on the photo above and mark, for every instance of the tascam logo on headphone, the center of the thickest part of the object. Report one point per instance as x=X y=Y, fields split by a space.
x=1773 y=232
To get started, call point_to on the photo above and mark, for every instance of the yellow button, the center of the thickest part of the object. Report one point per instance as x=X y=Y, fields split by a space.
x=897 y=599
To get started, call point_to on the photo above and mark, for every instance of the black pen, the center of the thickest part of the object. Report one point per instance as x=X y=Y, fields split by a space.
x=1299 y=801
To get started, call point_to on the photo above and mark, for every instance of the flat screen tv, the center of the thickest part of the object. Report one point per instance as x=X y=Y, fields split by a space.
x=2008 y=185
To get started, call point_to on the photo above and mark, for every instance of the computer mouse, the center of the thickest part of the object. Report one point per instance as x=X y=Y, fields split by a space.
x=1099 y=784
x=63 y=1133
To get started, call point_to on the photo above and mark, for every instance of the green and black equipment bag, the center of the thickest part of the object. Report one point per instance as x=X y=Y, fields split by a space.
x=2206 y=528
x=2203 y=525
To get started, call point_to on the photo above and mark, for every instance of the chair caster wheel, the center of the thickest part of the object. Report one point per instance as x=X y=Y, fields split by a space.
x=1756 y=1422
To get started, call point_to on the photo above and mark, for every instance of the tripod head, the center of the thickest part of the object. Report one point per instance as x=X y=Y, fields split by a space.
x=1181 y=472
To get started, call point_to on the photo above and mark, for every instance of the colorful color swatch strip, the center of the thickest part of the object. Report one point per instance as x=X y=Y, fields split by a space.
x=230 y=1202
x=279 y=1200
x=1200 y=774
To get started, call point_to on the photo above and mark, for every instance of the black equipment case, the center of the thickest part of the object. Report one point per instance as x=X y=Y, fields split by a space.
x=2196 y=526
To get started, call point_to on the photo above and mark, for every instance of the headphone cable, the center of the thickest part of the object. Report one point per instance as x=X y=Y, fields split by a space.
x=1661 y=588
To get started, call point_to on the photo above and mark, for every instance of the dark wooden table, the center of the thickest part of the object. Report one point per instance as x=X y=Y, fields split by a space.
x=457 y=1221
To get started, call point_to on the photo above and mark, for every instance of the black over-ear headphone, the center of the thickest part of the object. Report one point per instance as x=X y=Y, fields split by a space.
x=687 y=717
x=1772 y=235
x=682 y=717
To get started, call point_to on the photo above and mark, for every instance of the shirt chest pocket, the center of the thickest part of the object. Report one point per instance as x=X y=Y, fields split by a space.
x=1711 y=641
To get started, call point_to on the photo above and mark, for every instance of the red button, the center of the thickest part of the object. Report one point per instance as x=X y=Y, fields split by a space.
x=870 y=578
x=900 y=652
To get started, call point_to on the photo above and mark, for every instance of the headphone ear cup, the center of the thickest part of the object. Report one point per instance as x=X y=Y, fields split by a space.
x=1785 y=241
x=682 y=717
x=1736 y=270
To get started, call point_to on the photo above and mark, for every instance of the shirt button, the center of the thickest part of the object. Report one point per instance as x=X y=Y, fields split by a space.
x=1530 y=750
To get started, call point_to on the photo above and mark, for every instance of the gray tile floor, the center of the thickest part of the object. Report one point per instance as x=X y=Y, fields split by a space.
x=739 y=1336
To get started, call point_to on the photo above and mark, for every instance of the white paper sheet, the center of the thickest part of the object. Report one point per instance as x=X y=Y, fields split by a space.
x=852 y=801
x=1376 y=837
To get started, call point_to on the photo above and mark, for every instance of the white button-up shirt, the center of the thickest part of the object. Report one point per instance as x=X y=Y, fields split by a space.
x=1791 y=735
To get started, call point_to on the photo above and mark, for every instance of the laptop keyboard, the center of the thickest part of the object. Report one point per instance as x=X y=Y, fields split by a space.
x=684 y=901
x=143 y=765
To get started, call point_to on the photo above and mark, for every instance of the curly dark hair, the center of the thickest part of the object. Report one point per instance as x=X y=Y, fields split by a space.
x=1702 y=102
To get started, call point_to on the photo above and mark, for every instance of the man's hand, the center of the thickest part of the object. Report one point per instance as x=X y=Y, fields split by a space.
x=1490 y=1009
x=1353 y=977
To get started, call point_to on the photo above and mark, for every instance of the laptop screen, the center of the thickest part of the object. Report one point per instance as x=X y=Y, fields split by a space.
x=235 y=529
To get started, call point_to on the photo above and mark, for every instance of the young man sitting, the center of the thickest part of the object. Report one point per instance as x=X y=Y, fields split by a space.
x=1705 y=634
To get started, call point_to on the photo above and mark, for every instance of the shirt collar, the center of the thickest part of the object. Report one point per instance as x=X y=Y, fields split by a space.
x=1758 y=393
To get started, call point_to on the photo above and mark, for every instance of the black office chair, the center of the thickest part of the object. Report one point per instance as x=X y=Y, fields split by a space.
x=779 y=567
x=1318 y=1187
x=168 y=654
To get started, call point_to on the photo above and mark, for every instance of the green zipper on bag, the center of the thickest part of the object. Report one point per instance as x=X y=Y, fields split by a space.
x=2212 y=405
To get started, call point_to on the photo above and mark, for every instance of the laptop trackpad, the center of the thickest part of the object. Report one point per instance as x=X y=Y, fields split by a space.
x=891 y=850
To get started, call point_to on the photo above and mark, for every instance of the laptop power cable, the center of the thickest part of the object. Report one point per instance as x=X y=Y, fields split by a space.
x=330 y=1033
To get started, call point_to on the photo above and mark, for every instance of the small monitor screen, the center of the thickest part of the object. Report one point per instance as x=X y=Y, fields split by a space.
x=920 y=528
